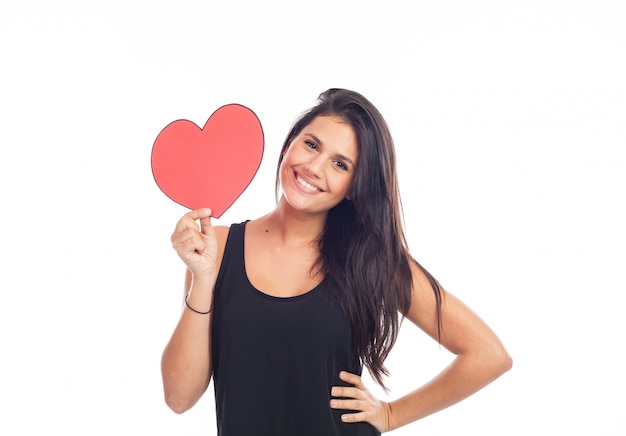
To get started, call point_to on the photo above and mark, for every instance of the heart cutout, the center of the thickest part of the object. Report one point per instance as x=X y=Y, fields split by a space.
x=212 y=166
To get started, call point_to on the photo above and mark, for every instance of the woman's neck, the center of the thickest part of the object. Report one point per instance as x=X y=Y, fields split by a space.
x=292 y=226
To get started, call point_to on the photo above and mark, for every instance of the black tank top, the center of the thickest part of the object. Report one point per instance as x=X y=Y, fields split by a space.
x=276 y=359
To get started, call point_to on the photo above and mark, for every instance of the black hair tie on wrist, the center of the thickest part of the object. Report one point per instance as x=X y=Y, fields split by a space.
x=197 y=311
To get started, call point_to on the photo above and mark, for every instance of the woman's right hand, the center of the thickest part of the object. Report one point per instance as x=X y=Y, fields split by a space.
x=196 y=244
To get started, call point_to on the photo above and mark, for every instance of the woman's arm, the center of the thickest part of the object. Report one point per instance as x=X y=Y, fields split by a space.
x=480 y=359
x=186 y=360
x=480 y=356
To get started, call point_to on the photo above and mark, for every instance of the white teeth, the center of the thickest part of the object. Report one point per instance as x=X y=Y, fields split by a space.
x=306 y=185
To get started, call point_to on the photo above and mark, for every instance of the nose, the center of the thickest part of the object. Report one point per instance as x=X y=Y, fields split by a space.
x=313 y=167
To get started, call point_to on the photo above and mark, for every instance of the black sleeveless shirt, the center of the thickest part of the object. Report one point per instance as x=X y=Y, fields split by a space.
x=275 y=359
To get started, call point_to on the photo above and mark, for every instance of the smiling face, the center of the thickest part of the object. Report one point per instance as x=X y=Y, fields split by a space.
x=318 y=167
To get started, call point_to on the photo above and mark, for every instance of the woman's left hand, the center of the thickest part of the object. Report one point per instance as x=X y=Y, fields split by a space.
x=368 y=408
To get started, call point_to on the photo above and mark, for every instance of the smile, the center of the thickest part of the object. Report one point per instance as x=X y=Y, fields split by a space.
x=306 y=185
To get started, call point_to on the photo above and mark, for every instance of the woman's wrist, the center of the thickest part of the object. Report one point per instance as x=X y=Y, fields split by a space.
x=199 y=312
x=199 y=297
x=202 y=281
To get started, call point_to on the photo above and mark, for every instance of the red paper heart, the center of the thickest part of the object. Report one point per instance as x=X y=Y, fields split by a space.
x=212 y=166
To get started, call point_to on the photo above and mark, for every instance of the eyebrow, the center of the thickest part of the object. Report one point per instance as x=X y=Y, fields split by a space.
x=340 y=156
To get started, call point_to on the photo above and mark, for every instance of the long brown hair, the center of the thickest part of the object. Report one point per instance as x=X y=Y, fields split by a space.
x=363 y=251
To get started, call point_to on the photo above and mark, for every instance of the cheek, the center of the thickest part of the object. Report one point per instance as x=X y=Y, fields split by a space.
x=285 y=158
x=283 y=171
x=291 y=157
x=286 y=161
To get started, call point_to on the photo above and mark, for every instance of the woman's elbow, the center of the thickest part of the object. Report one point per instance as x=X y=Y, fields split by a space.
x=180 y=397
x=501 y=361
x=508 y=363
x=177 y=403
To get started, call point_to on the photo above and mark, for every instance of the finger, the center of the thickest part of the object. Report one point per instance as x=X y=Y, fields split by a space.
x=185 y=223
x=205 y=225
x=347 y=404
x=354 y=417
x=184 y=236
x=190 y=248
x=188 y=220
x=187 y=237
x=194 y=244
x=199 y=213
x=353 y=379
x=346 y=392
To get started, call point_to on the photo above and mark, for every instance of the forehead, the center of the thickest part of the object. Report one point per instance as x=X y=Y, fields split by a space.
x=328 y=121
x=333 y=131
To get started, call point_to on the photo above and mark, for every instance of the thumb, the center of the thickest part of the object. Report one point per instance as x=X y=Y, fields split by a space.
x=205 y=221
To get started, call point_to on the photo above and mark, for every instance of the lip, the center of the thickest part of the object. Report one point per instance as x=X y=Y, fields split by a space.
x=305 y=188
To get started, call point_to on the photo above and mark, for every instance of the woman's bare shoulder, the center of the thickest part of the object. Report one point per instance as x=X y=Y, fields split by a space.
x=221 y=234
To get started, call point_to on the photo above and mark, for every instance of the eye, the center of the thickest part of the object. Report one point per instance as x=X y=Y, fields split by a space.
x=310 y=144
x=341 y=165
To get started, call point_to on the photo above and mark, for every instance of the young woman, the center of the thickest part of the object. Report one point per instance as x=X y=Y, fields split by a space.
x=284 y=310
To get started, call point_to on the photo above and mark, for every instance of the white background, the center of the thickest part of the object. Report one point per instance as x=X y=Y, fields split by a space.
x=510 y=124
